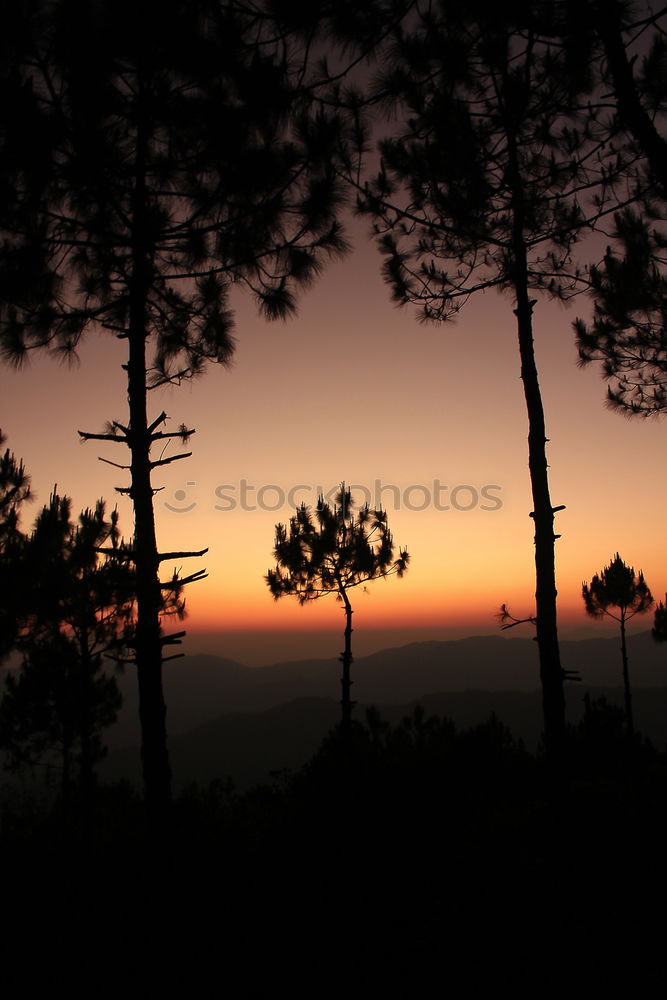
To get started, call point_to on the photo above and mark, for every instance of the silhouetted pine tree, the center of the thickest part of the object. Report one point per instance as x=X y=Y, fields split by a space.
x=48 y=720
x=486 y=186
x=659 y=630
x=182 y=161
x=618 y=587
x=331 y=554
x=627 y=332
x=14 y=490
x=77 y=606
x=639 y=85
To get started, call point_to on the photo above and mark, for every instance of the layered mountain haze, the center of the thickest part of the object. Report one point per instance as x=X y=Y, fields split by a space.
x=226 y=719
x=201 y=687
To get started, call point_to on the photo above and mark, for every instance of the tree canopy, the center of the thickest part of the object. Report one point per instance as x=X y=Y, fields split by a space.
x=333 y=551
x=186 y=135
x=627 y=332
x=617 y=586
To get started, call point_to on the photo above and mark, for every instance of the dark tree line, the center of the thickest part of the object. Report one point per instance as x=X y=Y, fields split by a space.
x=68 y=608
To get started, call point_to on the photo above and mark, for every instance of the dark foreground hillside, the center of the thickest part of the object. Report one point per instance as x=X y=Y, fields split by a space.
x=413 y=859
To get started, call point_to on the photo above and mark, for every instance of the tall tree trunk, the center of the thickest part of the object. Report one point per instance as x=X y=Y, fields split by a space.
x=626 y=681
x=551 y=673
x=152 y=710
x=346 y=702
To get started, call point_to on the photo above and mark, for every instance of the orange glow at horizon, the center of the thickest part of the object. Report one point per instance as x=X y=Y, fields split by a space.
x=356 y=390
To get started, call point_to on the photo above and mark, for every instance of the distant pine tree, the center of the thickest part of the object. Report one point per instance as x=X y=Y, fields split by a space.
x=659 y=630
x=618 y=587
x=331 y=553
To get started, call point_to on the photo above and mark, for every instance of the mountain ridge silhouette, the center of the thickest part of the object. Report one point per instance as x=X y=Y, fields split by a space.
x=201 y=687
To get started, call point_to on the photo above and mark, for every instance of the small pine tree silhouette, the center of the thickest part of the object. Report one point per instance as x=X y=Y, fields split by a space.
x=618 y=587
x=82 y=611
x=14 y=491
x=333 y=553
x=659 y=630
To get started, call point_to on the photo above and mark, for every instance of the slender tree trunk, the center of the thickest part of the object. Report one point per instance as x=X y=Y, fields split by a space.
x=626 y=681
x=152 y=710
x=551 y=673
x=346 y=702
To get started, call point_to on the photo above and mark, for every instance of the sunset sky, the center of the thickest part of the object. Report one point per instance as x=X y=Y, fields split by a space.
x=356 y=389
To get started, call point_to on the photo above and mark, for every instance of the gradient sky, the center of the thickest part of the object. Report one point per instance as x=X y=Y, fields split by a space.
x=356 y=389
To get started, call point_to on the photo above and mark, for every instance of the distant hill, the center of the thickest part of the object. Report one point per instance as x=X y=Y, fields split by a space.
x=200 y=688
x=224 y=718
x=249 y=746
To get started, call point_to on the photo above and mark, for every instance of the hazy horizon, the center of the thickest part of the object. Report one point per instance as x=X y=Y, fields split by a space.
x=262 y=647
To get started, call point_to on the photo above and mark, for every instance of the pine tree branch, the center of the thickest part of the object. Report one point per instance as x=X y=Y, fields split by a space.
x=183 y=581
x=119 y=439
x=156 y=423
x=168 y=461
x=172 y=434
x=173 y=639
x=162 y=556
